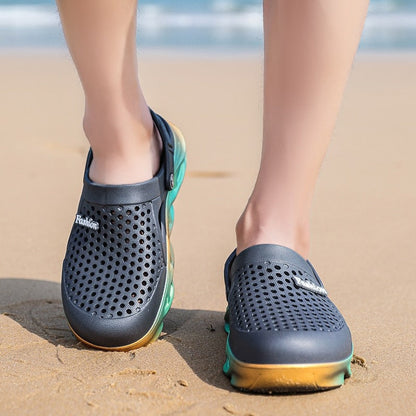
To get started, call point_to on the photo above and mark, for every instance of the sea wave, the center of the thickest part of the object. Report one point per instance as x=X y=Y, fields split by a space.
x=391 y=21
x=28 y=16
x=153 y=16
x=214 y=17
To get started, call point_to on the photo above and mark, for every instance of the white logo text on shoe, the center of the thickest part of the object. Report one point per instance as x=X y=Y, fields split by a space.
x=306 y=284
x=87 y=222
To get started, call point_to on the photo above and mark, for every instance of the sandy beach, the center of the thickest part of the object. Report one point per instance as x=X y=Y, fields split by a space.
x=363 y=239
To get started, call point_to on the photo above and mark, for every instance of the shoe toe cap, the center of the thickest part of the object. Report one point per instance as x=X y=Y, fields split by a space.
x=110 y=332
x=291 y=347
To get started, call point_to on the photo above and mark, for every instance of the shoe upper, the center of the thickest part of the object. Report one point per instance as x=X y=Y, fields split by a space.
x=114 y=271
x=279 y=311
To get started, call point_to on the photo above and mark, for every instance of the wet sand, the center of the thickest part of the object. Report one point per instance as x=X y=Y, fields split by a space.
x=363 y=240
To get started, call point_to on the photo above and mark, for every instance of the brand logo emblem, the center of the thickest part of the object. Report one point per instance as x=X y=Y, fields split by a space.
x=87 y=222
x=305 y=284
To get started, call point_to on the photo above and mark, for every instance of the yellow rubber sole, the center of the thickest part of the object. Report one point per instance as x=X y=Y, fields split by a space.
x=285 y=378
x=168 y=291
x=152 y=335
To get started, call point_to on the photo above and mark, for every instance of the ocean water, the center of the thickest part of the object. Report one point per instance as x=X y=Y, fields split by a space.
x=200 y=25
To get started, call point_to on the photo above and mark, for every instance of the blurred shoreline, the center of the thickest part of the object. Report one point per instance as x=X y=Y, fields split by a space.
x=185 y=53
x=224 y=25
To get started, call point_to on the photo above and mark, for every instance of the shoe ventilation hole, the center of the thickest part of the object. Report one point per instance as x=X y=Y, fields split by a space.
x=264 y=297
x=112 y=272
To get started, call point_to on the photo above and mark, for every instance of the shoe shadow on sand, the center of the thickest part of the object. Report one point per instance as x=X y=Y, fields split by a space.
x=197 y=335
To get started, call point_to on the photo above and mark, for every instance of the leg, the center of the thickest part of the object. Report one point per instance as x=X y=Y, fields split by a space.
x=285 y=334
x=309 y=48
x=101 y=36
x=118 y=268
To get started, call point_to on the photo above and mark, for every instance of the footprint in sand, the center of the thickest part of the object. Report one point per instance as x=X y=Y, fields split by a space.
x=362 y=372
x=44 y=318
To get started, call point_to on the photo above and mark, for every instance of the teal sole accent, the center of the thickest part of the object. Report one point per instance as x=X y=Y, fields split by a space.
x=179 y=173
x=169 y=290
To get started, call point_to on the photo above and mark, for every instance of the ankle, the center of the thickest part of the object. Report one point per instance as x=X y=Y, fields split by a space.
x=126 y=150
x=256 y=226
x=116 y=130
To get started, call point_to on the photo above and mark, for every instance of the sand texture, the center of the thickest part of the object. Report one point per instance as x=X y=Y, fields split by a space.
x=363 y=240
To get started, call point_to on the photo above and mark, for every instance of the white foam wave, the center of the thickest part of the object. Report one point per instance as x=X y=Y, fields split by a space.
x=154 y=17
x=391 y=21
x=28 y=16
